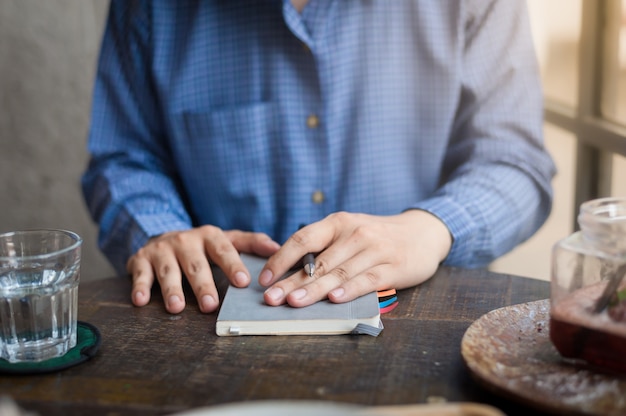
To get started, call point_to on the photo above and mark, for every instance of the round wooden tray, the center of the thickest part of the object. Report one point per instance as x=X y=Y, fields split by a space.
x=510 y=352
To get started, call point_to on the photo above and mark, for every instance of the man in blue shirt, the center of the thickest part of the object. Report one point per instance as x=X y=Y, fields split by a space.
x=405 y=133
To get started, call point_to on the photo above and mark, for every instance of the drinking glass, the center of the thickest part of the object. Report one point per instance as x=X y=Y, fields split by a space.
x=39 y=276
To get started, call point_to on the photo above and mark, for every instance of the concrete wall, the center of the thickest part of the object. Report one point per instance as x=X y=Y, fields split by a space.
x=48 y=52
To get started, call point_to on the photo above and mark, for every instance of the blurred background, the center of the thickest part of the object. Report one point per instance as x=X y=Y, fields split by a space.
x=48 y=52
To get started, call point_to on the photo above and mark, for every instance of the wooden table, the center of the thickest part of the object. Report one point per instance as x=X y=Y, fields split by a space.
x=151 y=362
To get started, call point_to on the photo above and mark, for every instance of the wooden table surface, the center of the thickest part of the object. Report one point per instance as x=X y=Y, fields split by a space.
x=152 y=363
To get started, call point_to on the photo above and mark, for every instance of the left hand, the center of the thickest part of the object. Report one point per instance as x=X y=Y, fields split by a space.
x=357 y=254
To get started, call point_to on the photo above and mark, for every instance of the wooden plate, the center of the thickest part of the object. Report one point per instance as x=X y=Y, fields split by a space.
x=510 y=352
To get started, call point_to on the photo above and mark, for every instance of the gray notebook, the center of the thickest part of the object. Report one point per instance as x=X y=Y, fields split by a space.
x=244 y=312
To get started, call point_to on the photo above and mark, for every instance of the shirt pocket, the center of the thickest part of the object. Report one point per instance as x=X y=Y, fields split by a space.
x=228 y=154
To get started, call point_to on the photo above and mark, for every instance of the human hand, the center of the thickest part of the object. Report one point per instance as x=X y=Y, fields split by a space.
x=168 y=256
x=358 y=254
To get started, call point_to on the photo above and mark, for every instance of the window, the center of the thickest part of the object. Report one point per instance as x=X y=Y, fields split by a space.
x=599 y=119
x=614 y=74
x=556 y=42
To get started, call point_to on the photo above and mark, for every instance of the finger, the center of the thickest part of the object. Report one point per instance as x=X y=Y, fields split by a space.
x=329 y=275
x=254 y=243
x=368 y=281
x=277 y=293
x=143 y=278
x=198 y=272
x=310 y=239
x=169 y=276
x=224 y=254
x=335 y=278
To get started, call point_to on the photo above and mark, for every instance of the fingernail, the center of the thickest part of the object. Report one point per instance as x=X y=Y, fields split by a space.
x=275 y=293
x=241 y=279
x=208 y=302
x=298 y=294
x=337 y=293
x=265 y=277
x=140 y=298
x=173 y=301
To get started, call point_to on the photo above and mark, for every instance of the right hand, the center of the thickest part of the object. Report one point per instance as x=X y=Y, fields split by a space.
x=168 y=256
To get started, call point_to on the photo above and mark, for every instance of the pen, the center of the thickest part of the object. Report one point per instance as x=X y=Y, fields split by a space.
x=308 y=262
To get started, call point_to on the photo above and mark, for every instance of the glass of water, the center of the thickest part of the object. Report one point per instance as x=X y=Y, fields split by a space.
x=39 y=275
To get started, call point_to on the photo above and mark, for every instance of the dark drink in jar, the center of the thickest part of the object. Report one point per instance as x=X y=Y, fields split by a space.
x=579 y=332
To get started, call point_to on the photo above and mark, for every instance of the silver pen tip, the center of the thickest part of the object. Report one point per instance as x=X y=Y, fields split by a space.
x=309 y=269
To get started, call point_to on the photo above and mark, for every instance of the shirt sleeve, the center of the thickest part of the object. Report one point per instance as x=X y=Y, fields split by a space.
x=497 y=190
x=130 y=186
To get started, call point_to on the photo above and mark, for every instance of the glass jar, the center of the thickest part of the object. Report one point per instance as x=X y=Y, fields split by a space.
x=588 y=266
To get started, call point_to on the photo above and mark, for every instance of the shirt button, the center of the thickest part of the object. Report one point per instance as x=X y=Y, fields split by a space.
x=318 y=197
x=312 y=121
x=306 y=47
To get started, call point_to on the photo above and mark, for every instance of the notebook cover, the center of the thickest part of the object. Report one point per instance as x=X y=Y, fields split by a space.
x=244 y=312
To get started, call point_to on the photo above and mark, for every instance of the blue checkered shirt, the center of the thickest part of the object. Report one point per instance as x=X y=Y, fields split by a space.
x=248 y=115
